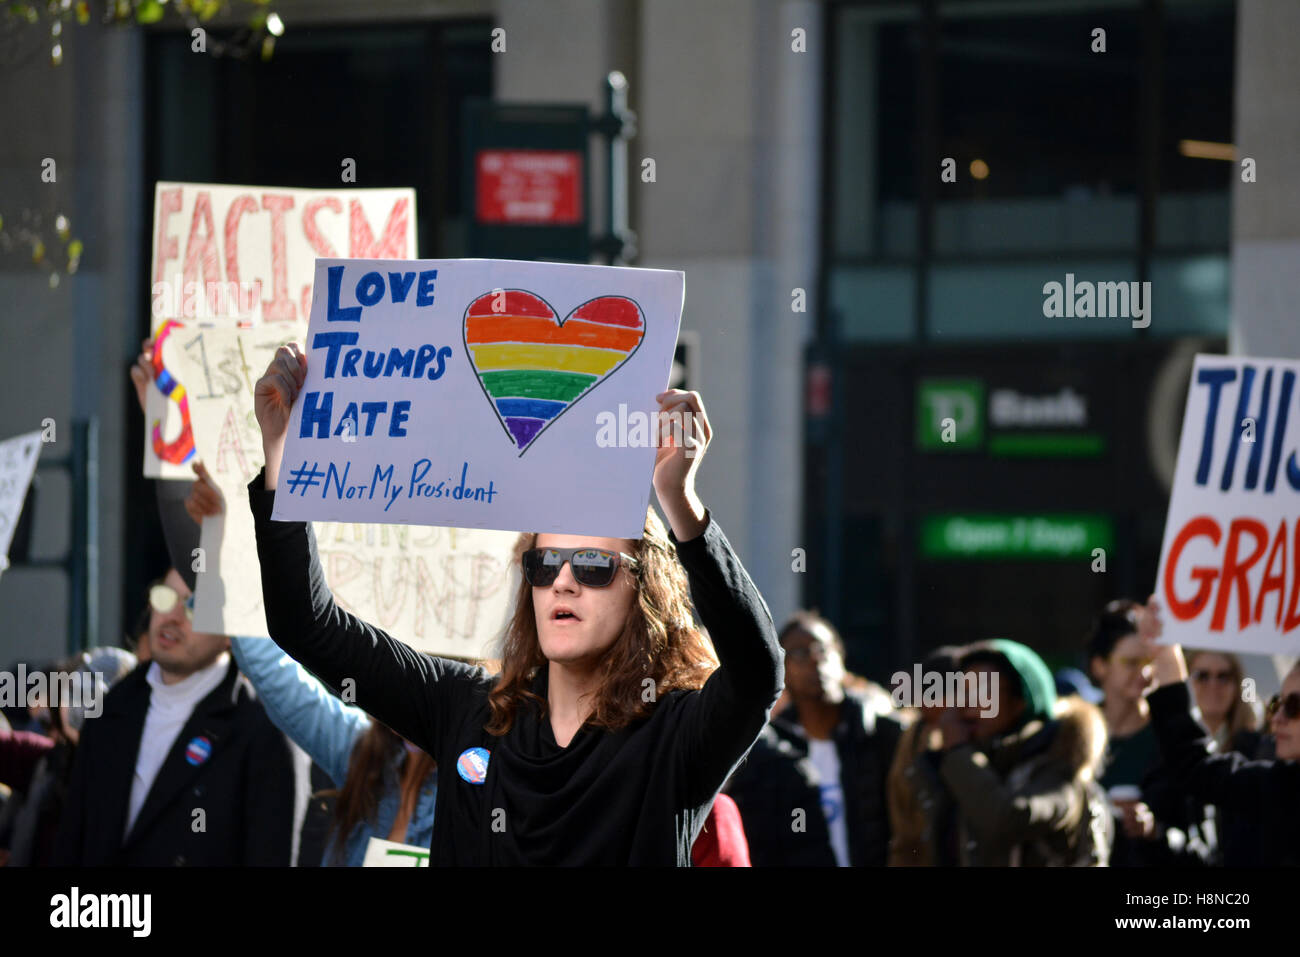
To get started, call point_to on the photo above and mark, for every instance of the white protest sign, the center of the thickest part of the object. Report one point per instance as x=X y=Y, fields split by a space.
x=481 y=394
x=441 y=590
x=1229 y=575
x=381 y=853
x=246 y=252
x=18 y=457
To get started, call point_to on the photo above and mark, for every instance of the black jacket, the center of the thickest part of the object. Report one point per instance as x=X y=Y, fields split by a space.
x=778 y=779
x=1258 y=798
x=635 y=796
x=246 y=787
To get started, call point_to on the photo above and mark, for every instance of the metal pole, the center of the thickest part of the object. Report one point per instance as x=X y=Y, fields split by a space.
x=83 y=557
x=618 y=126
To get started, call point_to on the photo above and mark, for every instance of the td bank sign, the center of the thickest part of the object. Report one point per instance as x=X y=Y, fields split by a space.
x=962 y=415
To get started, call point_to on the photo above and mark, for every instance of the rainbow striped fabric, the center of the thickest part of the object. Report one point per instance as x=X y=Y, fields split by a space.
x=533 y=365
x=181 y=449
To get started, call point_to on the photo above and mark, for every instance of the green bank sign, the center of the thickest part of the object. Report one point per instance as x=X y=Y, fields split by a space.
x=957 y=415
x=949 y=414
x=1023 y=537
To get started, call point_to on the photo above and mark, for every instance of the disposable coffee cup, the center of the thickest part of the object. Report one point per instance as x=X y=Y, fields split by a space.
x=1122 y=794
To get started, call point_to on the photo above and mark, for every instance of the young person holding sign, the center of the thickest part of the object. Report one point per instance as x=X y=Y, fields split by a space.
x=1259 y=798
x=611 y=727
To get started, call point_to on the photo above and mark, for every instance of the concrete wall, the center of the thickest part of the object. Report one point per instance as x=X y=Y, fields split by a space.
x=1266 y=213
x=64 y=351
x=731 y=116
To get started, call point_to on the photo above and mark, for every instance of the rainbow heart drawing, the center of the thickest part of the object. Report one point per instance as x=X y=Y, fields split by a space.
x=534 y=366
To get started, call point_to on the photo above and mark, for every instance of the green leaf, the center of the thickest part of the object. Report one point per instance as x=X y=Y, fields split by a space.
x=149 y=11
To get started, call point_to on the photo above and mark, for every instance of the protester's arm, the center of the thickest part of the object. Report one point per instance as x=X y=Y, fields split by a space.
x=295 y=700
x=1050 y=802
x=406 y=690
x=270 y=799
x=300 y=706
x=732 y=707
x=409 y=691
x=1187 y=750
x=734 y=703
x=20 y=752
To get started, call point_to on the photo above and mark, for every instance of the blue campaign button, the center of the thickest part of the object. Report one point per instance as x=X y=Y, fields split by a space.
x=472 y=765
x=198 y=750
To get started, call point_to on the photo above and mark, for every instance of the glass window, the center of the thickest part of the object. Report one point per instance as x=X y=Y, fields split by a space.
x=1195 y=160
x=1043 y=131
x=874 y=302
x=873 y=132
x=1006 y=300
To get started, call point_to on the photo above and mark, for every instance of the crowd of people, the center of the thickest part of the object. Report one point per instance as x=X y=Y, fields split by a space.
x=643 y=710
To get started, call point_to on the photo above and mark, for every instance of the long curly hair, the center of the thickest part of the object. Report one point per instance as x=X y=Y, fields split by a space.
x=1241 y=716
x=358 y=799
x=659 y=650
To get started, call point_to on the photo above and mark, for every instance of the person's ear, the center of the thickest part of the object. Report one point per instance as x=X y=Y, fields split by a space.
x=1096 y=669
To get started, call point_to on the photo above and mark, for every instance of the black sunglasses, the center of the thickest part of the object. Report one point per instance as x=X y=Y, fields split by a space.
x=593 y=567
x=1289 y=706
x=1203 y=675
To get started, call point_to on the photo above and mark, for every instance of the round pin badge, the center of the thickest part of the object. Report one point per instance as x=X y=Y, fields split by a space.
x=198 y=750
x=472 y=765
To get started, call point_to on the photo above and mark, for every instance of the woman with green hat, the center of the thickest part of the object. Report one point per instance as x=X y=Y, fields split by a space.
x=1015 y=782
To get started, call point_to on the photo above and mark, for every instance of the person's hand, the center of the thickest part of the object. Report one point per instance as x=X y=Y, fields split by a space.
x=1167 y=661
x=684 y=435
x=204 y=498
x=954 y=730
x=1137 y=820
x=142 y=372
x=1150 y=625
x=273 y=399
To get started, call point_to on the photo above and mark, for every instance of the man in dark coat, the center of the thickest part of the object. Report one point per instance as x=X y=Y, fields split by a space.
x=182 y=768
x=812 y=790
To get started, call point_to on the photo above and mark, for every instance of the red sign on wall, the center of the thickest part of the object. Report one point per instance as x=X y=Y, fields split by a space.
x=529 y=186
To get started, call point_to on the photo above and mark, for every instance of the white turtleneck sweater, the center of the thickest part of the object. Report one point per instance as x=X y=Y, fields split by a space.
x=170 y=706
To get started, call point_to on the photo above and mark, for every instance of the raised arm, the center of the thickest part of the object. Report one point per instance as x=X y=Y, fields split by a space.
x=732 y=707
x=301 y=706
x=412 y=693
x=1185 y=747
x=725 y=718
